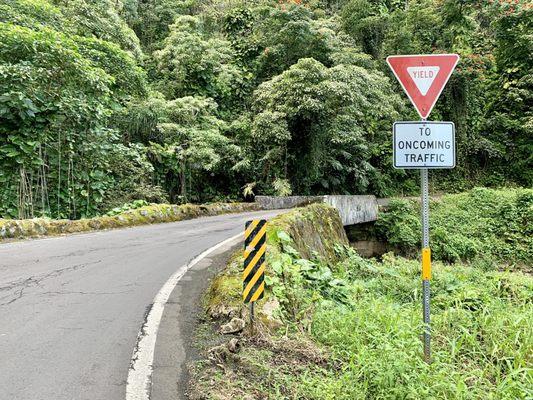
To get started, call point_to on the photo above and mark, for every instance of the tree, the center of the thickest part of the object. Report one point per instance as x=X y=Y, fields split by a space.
x=288 y=35
x=367 y=23
x=154 y=18
x=509 y=123
x=55 y=101
x=192 y=63
x=101 y=19
x=269 y=39
x=279 y=96
x=192 y=143
x=317 y=126
x=34 y=14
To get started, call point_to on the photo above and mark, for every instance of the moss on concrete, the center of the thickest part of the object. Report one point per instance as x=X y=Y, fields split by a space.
x=314 y=230
x=151 y=214
x=267 y=349
x=223 y=297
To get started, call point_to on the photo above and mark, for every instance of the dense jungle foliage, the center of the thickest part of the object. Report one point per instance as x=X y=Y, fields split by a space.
x=106 y=102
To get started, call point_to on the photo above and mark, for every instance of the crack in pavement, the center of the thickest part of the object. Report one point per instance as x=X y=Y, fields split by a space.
x=142 y=333
x=20 y=294
x=78 y=253
x=36 y=280
x=82 y=292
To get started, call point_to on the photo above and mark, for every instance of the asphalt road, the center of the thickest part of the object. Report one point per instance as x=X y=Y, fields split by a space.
x=71 y=307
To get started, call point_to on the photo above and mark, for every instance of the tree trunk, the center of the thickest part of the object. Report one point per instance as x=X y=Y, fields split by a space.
x=183 y=179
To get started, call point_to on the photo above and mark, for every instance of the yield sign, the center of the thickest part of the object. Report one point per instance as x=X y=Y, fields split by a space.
x=423 y=77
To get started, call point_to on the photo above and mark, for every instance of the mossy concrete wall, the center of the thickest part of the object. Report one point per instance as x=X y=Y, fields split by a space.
x=352 y=209
x=152 y=214
x=314 y=230
x=355 y=209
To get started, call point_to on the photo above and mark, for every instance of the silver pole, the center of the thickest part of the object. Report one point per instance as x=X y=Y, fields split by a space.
x=424 y=186
x=252 y=318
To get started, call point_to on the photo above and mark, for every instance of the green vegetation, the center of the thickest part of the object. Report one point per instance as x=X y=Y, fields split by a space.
x=483 y=226
x=366 y=317
x=106 y=102
x=116 y=105
x=128 y=206
x=352 y=326
x=314 y=231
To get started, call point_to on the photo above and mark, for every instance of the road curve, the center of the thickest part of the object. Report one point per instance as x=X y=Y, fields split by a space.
x=71 y=307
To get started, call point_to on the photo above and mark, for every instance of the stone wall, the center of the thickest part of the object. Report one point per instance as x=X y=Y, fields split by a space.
x=152 y=214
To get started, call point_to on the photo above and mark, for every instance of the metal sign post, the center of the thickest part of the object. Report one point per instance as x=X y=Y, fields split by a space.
x=424 y=145
x=426 y=262
x=252 y=318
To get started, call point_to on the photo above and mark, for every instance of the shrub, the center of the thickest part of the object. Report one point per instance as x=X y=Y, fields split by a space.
x=479 y=224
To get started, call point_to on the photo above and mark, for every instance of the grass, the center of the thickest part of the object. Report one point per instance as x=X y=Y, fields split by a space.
x=370 y=347
x=482 y=334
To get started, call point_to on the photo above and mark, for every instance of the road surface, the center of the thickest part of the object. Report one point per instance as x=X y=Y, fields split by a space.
x=71 y=307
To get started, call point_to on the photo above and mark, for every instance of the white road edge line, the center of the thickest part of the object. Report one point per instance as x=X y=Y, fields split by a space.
x=138 y=385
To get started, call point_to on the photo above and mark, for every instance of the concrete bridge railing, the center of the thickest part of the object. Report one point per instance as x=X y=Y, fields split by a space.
x=352 y=209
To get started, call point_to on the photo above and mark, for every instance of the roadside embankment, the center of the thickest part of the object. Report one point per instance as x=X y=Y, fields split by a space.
x=316 y=232
x=334 y=325
x=151 y=214
x=486 y=227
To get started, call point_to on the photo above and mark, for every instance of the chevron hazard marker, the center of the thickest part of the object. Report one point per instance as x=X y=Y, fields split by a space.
x=253 y=276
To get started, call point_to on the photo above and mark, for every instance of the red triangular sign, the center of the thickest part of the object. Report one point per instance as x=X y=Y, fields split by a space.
x=423 y=77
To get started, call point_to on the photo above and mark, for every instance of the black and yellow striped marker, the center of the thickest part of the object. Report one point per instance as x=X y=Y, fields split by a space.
x=253 y=276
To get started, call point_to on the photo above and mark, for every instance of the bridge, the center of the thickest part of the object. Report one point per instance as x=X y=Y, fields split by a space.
x=352 y=209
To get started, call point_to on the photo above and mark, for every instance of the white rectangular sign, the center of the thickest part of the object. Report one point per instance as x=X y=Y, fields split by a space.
x=424 y=144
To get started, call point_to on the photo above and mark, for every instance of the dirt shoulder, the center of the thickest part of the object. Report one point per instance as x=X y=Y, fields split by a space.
x=180 y=338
